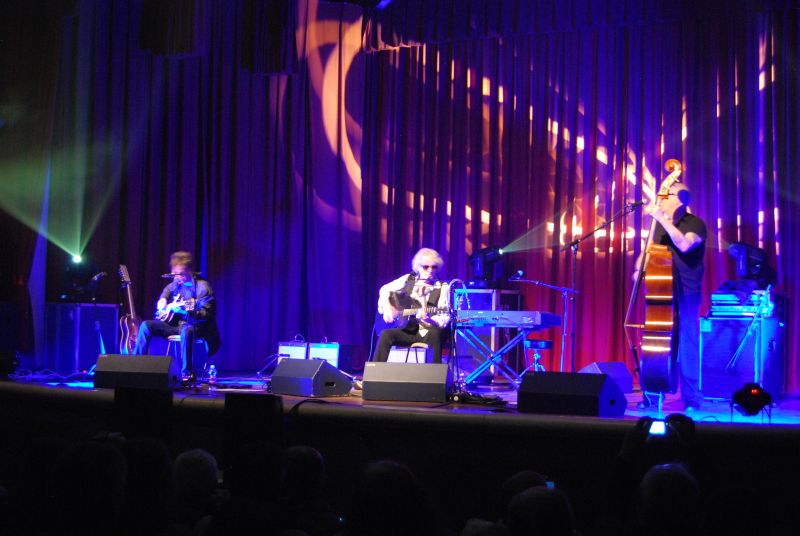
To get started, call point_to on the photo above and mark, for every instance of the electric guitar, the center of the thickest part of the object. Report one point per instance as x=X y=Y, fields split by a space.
x=175 y=310
x=406 y=310
x=130 y=321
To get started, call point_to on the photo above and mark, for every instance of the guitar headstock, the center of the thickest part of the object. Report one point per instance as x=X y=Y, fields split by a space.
x=123 y=274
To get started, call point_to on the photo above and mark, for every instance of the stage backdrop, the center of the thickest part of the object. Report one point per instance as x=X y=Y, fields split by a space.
x=303 y=150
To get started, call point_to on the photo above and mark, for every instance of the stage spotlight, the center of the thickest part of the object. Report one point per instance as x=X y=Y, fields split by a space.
x=751 y=263
x=750 y=399
x=79 y=285
x=485 y=265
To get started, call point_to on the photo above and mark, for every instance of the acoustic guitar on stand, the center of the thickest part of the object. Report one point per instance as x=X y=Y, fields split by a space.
x=130 y=321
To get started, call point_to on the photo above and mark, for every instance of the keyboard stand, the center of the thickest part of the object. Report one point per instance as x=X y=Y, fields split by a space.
x=493 y=358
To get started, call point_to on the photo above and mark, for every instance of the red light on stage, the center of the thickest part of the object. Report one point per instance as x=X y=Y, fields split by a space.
x=751 y=399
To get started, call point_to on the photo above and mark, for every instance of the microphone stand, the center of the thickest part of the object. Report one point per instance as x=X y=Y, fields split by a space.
x=573 y=247
x=566 y=294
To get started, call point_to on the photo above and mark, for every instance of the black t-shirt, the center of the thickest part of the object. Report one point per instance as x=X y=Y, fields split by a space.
x=687 y=268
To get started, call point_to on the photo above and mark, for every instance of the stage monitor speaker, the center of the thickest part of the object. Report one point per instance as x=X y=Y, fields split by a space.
x=310 y=377
x=571 y=393
x=721 y=374
x=140 y=371
x=617 y=370
x=411 y=382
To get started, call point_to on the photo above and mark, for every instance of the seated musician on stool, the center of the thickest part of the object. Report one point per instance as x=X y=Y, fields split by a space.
x=186 y=307
x=684 y=234
x=420 y=290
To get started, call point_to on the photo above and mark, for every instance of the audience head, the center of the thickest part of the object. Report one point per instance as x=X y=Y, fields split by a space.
x=195 y=477
x=516 y=484
x=540 y=510
x=389 y=501
x=90 y=474
x=305 y=472
x=669 y=499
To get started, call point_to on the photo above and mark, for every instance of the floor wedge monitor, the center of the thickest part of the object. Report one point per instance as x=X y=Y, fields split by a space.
x=139 y=371
x=410 y=382
x=310 y=377
x=571 y=393
x=616 y=369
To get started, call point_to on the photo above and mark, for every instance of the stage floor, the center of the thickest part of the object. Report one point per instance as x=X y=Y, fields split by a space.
x=480 y=399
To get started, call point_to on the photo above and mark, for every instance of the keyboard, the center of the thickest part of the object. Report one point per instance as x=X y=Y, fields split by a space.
x=506 y=319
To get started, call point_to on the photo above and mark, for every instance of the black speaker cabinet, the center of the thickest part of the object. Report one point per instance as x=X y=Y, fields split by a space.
x=571 y=393
x=761 y=359
x=616 y=370
x=411 y=382
x=310 y=377
x=139 y=371
x=76 y=333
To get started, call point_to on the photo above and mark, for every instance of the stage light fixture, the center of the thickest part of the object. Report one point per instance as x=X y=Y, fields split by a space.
x=750 y=399
x=77 y=259
x=484 y=263
x=751 y=264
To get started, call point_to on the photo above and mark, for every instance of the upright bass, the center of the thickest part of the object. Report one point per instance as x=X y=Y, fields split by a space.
x=128 y=322
x=657 y=353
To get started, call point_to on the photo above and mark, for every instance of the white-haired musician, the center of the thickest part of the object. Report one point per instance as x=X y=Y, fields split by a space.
x=422 y=291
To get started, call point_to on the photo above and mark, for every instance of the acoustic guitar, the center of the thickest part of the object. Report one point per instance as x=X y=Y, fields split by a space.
x=128 y=322
x=407 y=309
x=175 y=310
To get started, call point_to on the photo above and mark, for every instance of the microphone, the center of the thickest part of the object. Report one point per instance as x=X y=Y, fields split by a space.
x=187 y=274
x=99 y=276
x=517 y=275
x=636 y=204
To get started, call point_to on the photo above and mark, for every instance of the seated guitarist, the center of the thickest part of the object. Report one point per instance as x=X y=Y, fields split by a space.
x=186 y=307
x=419 y=290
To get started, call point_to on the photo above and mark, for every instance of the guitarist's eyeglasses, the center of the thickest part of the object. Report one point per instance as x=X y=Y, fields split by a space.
x=429 y=267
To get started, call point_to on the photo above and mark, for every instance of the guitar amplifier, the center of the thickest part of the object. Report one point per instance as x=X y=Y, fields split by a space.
x=328 y=351
x=292 y=350
x=760 y=360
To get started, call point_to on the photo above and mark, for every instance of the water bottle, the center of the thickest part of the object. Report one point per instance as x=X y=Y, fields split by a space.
x=212 y=375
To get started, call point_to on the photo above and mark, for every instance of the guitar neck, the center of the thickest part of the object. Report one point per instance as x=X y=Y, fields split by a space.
x=429 y=310
x=129 y=300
